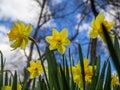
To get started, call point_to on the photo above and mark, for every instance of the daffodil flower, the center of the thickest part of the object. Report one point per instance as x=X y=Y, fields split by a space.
x=58 y=40
x=96 y=25
x=18 y=35
x=35 y=69
x=8 y=87
x=77 y=76
x=115 y=81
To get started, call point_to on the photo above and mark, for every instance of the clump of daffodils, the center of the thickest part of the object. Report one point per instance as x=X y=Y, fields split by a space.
x=58 y=40
x=35 y=69
x=18 y=35
x=77 y=75
x=96 y=25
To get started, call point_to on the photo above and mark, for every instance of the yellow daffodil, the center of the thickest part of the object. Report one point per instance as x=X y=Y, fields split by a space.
x=58 y=40
x=77 y=76
x=7 y=88
x=96 y=25
x=19 y=35
x=19 y=87
x=35 y=69
x=115 y=80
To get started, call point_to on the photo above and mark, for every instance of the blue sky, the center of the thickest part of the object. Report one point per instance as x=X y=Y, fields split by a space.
x=27 y=11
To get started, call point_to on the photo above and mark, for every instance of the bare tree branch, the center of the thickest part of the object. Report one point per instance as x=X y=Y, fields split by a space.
x=37 y=29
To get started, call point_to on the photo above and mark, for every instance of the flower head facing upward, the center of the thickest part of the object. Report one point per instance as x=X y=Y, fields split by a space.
x=58 y=40
x=35 y=69
x=97 y=27
x=77 y=76
x=115 y=80
x=19 y=35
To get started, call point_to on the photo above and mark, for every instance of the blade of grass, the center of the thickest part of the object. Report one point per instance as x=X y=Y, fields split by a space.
x=107 y=85
x=96 y=73
x=2 y=69
x=6 y=78
x=64 y=81
x=41 y=85
x=52 y=70
x=117 y=47
x=34 y=82
x=14 y=85
x=25 y=86
x=82 y=66
x=101 y=78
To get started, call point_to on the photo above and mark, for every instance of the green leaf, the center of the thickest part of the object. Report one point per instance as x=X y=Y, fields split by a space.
x=2 y=69
x=34 y=82
x=64 y=80
x=113 y=53
x=67 y=73
x=101 y=78
x=41 y=85
x=14 y=85
x=52 y=70
x=82 y=66
x=117 y=47
x=6 y=78
x=25 y=83
x=107 y=85
x=96 y=74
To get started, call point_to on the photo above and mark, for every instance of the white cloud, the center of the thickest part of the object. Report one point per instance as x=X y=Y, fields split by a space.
x=84 y=26
x=49 y=24
x=78 y=16
x=3 y=34
x=56 y=1
x=24 y=10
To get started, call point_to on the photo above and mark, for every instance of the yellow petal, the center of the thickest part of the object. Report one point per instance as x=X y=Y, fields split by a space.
x=16 y=25
x=16 y=44
x=55 y=32
x=61 y=49
x=32 y=75
x=38 y=63
x=93 y=34
x=49 y=39
x=102 y=36
x=32 y=63
x=93 y=23
x=86 y=62
x=19 y=87
x=111 y=23
x=23 y=45
x=7 y=88
x=64 y=33
x=22 y=26
x=52 y=47
x=66 y=42
x=28 y=29
x=99 y=19
x=29 y=69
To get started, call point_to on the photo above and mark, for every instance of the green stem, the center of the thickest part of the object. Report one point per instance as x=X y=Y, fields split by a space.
x=33 y=40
